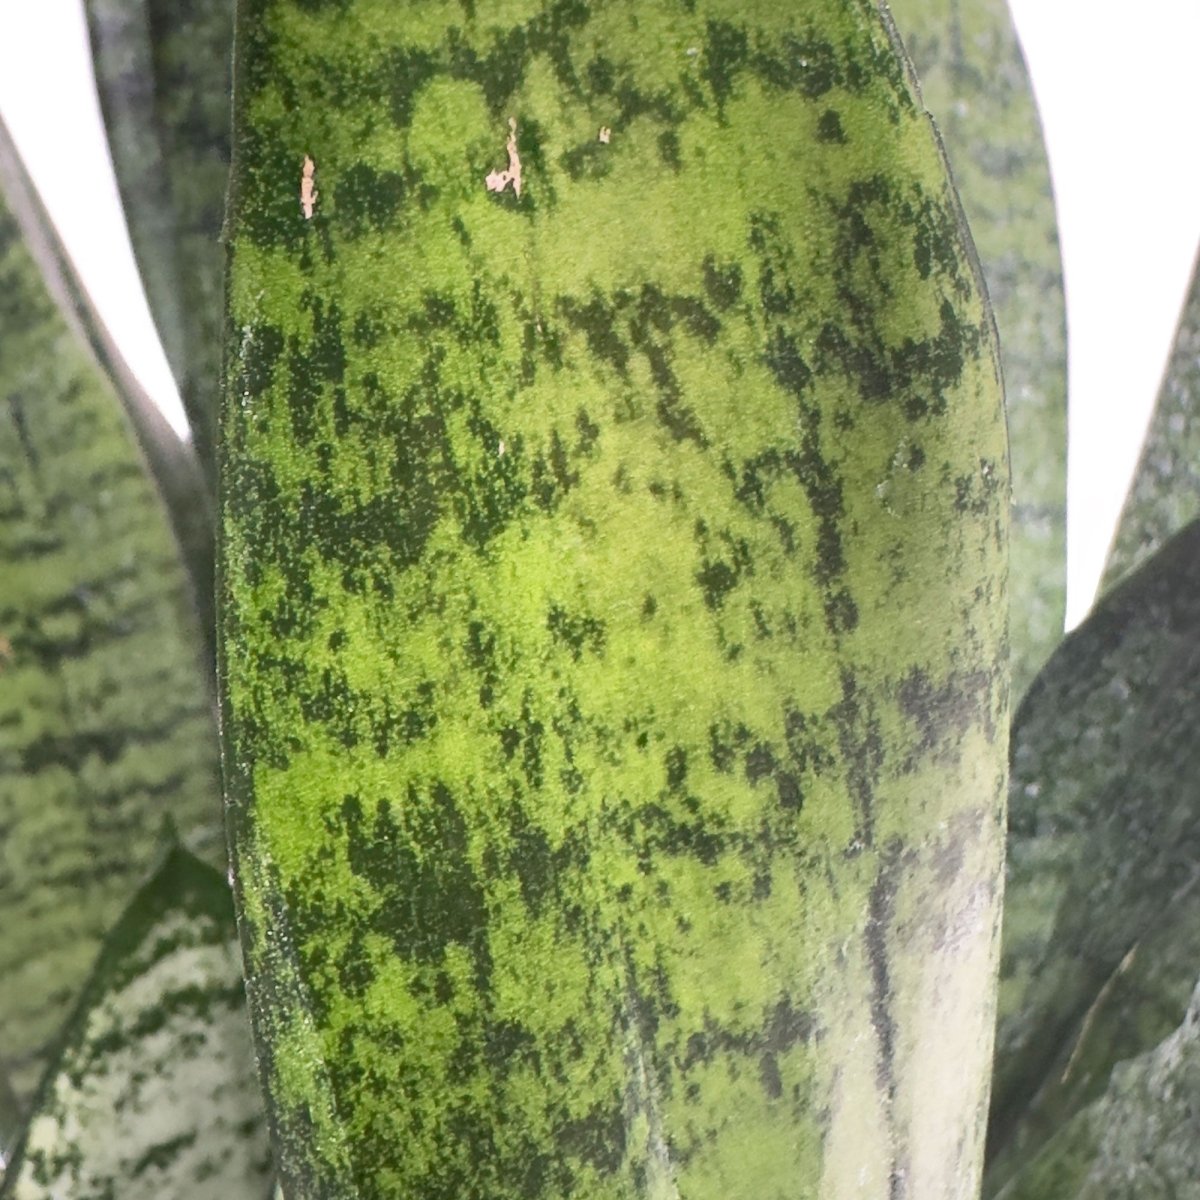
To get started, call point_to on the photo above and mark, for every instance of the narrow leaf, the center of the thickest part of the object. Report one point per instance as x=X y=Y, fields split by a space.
x=106 y=720
x=171 y=461
x=154 y=1092
x=1140 y=1004
x=1138 y=1142
x=1165 y=493
x=1102 y=812
x=163 y=76
x=613 y=607
x=974 y=82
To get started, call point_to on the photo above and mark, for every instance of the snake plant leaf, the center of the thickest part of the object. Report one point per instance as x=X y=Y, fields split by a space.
x=1165 y=493
x=1141 y=1003
x=1138 y=1141
x=614 y=507
x=106 y=716
x=1102 y=813
x=163 y=76
x=154 y=1092
x=171 y=461
x=974 y=82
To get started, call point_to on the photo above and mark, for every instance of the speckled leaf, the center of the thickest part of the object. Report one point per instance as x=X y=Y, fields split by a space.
x=154 y=1092
x=163 y=76
x=974 y=82
x=1165 y=493
x=1105 y=786
x=1140 y=1004
x=613 y=604
x=106 y=718
x=1140 y=1141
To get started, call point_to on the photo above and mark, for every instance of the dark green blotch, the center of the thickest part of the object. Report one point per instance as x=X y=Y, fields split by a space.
x=829 y=128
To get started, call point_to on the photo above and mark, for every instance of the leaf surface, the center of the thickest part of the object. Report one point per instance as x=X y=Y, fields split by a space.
x=163 y=76
x=1102 y=837
x=1138 y=1141
x=106 y=717
x=1165 y=492
x=613 y=606
x=974 y=82
x=154 y=1093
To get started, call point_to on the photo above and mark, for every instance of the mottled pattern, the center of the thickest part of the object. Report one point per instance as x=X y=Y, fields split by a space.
x=1139 y=1141
x=163 y=77
x=1142 y=1002
x=613 y=605
x=153 y=1094
x=1165 y=493
x=106 y=725
x=1102 y=827
x=974 y=82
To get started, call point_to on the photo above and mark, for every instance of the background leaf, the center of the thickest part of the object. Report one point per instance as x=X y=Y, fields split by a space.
x=163 y=76
x=974 y=82
x=1102 y=836
x=613 y=604
x=1138 y=1142
x=1141 y=1003
x=106 y=719
x=1165 y=493
x=154 y=1092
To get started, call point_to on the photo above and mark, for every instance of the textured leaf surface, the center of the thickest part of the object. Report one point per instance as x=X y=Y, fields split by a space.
x=613 y=604
x=1141 y=1003
x=154 y=1092
x=106 y=721
x=1139 y=1141
x=974 y=82
x=1165 y=494
x=163 y=76
x=1102 y=831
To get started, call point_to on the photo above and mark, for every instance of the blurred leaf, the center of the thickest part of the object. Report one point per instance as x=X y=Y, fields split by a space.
x=1165 y=493
x=1140 y=1004
x=106 y=718
x=613 y=612
x=1102 y=831
x=1138 y=1141
x=154 y=1094
x=974 y=82
x=163 y=75
x=172 y=462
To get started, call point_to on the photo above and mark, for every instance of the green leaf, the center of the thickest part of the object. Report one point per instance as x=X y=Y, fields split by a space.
x=1140 y=1004
x=163 y=76
x=106 y=719
x=1138 y=1142
x=974 y=82
x=1165 y=493
x=154 y=1092
x=1102 y=832
x=613 y=604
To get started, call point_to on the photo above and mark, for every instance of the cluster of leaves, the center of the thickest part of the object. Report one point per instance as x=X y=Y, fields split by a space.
x=124 y=1046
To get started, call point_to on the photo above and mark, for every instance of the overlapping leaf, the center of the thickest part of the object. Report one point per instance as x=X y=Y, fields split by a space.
x=1139 y=1005
x=1103 y=839
x=1138 y=1141
x=613 y=611
x=106 y=722
x=974 y=82
x=163 y=75
x=1165 y=493
x=154 y=1092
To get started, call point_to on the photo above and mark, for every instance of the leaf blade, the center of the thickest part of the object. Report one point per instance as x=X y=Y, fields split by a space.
x=154 y=1091
x=436 y=520
x=106 y=716
x=975 y=83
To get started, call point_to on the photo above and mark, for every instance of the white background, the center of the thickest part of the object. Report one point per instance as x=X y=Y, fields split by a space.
x=1119 y=91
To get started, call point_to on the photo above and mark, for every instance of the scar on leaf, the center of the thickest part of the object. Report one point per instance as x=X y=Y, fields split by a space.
x=308 y=191
x=497 y=181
